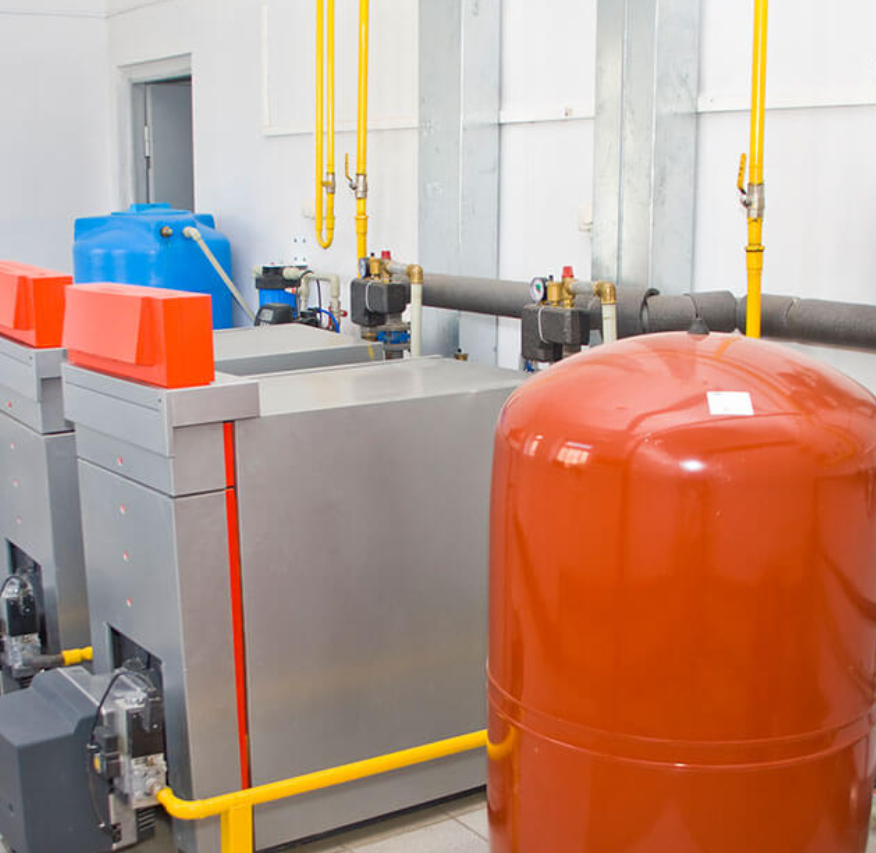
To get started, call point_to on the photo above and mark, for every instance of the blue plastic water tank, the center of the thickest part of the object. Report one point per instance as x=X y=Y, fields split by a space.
x=128 y=247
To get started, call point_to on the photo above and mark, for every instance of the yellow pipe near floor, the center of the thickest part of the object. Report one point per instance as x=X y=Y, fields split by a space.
x=325 y=67
x=361 y=183
x=755 y=195
x=236 y=808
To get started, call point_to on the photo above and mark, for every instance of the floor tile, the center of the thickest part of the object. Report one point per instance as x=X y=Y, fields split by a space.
x=476 y=821
x=448 y=836
x=392 y=826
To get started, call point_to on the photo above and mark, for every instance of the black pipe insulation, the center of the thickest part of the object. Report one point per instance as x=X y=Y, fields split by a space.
x=787 y=318
x=476 y=295
x=677 y=313
x=816 y=321
x=644 y=310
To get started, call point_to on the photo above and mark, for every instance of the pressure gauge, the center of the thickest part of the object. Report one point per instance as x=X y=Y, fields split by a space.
x=538 y=289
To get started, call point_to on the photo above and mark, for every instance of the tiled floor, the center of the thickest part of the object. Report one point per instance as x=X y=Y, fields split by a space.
x=459 y=826
x=456 y=827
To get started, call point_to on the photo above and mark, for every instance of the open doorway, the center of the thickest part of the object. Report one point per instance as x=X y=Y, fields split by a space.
x=163 y=152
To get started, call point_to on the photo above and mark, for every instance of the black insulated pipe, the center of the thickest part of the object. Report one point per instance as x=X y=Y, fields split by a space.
x=785 y=318
x=477 y=295
x=644 y=310
x=816 y=321
x=677 y=313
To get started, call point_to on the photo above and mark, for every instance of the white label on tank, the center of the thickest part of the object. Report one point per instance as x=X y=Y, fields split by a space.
x=730 y=403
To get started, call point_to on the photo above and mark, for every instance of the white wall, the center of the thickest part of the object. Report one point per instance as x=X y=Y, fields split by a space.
x=547 y=112
x=820 y=168
x=254 y=142
x=252 y=63
x=55 y=139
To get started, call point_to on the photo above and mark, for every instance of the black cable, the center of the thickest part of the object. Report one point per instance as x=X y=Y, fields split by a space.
x=299 y=308
x=89 y=769
x=89 y=763
x=19 y=578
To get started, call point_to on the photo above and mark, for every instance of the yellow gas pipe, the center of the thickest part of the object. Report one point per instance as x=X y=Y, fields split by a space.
x=325 y=68
x=359 y=184
x=236 y=808
x=754 y=196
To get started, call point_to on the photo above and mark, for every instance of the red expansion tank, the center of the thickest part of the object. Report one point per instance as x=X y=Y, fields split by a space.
x=683 y=604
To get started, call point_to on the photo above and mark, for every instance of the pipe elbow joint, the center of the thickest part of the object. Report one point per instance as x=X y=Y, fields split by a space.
x=177 y=808
x=606 y=291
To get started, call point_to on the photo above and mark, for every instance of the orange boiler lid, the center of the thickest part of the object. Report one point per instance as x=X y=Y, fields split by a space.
x=32 y=303
x=147 y=334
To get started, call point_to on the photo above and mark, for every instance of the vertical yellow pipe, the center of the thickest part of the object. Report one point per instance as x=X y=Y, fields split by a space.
x=319 y=123
x=325 y=186
x=758 y=90
x=755 y=194
x=361 y=185
x=330 y=168
x=754 y=264
x=362 y=150
x=236 y=830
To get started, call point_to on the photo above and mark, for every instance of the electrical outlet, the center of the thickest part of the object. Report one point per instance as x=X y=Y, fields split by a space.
x=300 y=251
x=585 y=218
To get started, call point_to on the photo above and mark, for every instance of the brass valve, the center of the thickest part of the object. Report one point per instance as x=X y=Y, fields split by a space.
x=560 y=293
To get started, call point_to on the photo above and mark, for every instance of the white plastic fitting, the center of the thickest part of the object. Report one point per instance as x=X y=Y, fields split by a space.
x=334 y=282
x=609 y=323
x=416 y=320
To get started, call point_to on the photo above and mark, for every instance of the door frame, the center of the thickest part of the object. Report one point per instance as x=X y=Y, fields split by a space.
x=140 y=120
x=128 y=139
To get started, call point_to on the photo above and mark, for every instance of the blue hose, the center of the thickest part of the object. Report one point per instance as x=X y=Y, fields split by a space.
x=335 y=323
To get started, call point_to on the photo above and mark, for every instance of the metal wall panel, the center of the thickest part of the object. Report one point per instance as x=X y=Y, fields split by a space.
x=646 y=142
x=459 y=161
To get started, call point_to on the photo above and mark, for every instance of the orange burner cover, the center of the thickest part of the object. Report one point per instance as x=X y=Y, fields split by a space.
x=32 y=304
x=160 y=337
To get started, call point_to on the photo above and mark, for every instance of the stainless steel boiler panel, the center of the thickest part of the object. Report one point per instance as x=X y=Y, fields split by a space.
x=365 y=579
